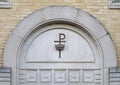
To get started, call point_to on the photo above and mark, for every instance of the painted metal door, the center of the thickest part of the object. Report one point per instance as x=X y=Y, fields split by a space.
x=60 y=55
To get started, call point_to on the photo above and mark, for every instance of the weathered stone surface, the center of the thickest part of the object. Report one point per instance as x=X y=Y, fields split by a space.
x=114 y=76
x=108 y=51
x=5 y=76
x=11 y=51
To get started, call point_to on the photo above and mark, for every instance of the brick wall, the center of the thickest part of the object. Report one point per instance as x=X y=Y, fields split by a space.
x=9 y=18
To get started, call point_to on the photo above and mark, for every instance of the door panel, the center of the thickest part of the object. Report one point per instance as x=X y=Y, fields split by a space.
x=60 y=77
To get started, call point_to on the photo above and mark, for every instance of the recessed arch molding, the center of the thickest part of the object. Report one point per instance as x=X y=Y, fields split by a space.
x=68 y=14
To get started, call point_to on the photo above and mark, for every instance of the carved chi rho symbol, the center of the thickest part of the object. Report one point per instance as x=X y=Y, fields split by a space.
x=59 y=47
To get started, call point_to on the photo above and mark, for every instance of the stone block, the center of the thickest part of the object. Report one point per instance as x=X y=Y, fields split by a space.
x=65 y=12
x=5 y=76
x=91 y=24
x=114 y=77
x=108 y=51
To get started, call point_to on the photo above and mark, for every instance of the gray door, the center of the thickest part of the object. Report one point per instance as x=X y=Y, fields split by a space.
x=60 y=55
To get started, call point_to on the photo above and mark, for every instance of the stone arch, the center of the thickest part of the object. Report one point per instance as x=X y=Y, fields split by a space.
x=67 y=14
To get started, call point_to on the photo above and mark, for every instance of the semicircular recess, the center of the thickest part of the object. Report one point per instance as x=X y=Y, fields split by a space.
x=42 y=48
x=78 y=47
